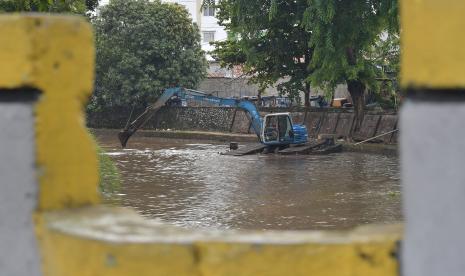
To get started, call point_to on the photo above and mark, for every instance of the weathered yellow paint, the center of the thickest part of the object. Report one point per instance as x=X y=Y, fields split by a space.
x=432 y=44
x=55 y=55
x=318 y=258
x=68 y=255
x=110 y=241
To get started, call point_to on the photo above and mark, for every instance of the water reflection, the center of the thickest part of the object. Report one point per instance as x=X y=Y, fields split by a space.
x=190 y=184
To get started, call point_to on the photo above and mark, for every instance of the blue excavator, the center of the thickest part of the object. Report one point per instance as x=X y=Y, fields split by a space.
x=274 y=131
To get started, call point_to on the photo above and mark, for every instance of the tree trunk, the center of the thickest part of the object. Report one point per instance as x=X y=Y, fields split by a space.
x=259 y=94
x=307 y=95
x=357 y=92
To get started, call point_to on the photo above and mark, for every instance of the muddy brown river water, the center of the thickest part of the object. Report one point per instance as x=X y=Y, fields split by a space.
x=188 y=183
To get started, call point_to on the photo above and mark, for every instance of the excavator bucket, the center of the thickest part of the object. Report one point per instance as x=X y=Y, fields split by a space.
x=123 y=137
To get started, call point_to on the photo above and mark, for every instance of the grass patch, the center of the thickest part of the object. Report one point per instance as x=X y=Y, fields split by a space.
x=110 y=178
x=394 y=194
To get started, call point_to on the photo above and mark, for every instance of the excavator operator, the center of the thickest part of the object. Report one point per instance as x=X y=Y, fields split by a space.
x=272 y=130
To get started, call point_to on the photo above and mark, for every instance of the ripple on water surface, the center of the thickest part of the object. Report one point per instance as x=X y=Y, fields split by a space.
x=190 y=184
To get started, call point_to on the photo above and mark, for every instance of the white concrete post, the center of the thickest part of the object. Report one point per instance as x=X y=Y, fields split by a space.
x=18 y=187
x=433 y=178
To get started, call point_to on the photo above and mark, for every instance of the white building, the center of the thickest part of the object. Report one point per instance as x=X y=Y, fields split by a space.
x=205 y=18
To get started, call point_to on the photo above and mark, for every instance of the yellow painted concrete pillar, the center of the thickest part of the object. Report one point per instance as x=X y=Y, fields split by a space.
x=55 y=55
x=432 y=133
x=46 y=75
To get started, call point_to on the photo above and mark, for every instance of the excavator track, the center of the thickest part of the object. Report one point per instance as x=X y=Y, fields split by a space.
x=245 y=150
x=312 y=148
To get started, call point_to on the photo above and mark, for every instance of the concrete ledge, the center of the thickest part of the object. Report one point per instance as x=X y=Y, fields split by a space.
x=197 y=135
x=376 y=148
x=117 y=241
x=371 y=148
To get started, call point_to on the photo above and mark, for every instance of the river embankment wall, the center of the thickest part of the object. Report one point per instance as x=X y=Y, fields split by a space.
x=339 y=122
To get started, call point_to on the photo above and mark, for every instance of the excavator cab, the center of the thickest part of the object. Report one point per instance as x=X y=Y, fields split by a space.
x=277 y=129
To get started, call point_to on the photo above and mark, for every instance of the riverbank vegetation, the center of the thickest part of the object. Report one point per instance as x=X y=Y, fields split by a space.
x=57 y=6
x=110 y=177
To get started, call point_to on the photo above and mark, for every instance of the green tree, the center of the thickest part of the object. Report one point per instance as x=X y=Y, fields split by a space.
x=73 y=6
x=271 y=42
x=142 y=48
x=343 y=34
x=385 y=54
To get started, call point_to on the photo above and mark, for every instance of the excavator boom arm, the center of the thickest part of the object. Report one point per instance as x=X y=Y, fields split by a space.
x=245 y=105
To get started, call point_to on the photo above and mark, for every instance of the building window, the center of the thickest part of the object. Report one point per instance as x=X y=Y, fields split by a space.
x=208 y=36
x=209 y=11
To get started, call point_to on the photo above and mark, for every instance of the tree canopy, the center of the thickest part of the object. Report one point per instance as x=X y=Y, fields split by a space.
x=343 y=35
x=316 y=42
x=143 y=47
x=72 y=6
x=270 y=41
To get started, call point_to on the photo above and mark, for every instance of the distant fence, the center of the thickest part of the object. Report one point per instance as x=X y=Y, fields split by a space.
x=226 y=119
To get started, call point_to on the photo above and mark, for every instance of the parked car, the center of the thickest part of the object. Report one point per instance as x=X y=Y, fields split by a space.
x=276 y=101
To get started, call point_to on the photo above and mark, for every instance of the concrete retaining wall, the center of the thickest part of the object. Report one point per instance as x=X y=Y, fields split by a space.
x=224 y=119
